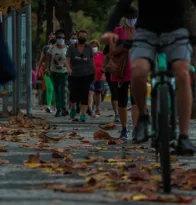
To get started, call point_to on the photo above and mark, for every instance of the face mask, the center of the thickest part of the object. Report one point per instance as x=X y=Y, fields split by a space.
x=95 y=49
x=61 y=41
x=81 y=40
x=73 y=41
x=130 y=22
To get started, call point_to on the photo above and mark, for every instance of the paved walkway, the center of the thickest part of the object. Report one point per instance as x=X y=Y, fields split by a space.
x=22 y=184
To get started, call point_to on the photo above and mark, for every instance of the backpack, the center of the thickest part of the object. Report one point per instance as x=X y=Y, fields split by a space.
x=116 y=59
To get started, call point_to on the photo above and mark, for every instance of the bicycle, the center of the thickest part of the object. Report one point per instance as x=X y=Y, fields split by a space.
x=163 y=108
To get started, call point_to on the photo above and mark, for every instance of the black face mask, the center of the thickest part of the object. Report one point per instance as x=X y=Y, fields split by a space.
x=81 y=40
x=52 y=41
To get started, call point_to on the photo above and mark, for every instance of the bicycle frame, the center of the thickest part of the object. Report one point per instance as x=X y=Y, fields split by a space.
x=160 y=76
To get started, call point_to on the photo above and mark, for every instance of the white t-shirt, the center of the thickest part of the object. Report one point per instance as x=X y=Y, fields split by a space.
x=58 y=56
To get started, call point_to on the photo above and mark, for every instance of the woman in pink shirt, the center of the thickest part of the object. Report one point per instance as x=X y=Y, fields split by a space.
x=120 y=86
x=98 y=86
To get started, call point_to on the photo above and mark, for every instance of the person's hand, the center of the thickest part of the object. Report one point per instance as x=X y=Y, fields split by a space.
x=109 y=38
x=103 y=78
x=69 y=71
x=48 y=73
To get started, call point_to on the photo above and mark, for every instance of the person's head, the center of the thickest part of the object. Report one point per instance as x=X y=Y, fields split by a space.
x=95 y=45
x=52 y=38
x=82 y=36
x=74 y=38
x=131 y=17
x=60 y=37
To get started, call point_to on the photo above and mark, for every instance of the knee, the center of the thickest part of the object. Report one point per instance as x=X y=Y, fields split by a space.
x=181 y=71
x=140 y=69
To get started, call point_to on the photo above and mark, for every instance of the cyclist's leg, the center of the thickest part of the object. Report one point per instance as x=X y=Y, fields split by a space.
x=179 y=55
x=141 y=56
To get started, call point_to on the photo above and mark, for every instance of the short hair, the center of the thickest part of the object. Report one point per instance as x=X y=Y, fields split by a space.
x=82 y=31
x=95 y=42
x=73 y=34
x=131 y=12
x=59 y=31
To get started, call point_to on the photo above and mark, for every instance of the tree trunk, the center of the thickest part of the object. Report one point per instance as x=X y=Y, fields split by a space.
x=49 y=17
x=62 y=8
x=190 y=23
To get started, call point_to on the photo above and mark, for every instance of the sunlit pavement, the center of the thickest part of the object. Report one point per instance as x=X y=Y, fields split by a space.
x=24 y=185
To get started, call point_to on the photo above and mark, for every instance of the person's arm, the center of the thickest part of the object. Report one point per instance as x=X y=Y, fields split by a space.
x=68 y=60
x=48 y=61
x=41 y=59
x=117 y=13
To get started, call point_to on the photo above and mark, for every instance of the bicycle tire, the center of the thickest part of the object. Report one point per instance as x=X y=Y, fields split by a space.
x=164 y=147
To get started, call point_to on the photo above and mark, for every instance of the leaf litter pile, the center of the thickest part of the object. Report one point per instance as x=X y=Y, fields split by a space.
x=127 y=177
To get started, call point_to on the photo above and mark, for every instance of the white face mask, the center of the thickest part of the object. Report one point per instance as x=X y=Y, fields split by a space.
x=73 y=41
x=130 y=22
x=95 y=49
x=61 y=41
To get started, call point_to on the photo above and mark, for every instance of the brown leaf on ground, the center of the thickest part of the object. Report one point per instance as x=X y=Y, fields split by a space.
x=14 y=139
x=77 y=188
x=76 y=128
x=63 y=149
x=57 y=155
x=94 y=150
x=101 y=135
x=68 y=158
x=109 y=126
x=33 y=161
x=2 y=149
x=114 y=141
x=3 y=161
x=44 y=138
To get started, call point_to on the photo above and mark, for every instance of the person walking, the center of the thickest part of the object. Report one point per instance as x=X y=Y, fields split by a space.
x=98 y=86
x=81 y=68
x=57 y=70
x=47 y=83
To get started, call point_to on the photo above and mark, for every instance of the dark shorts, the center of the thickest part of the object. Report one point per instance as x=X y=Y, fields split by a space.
x=179 y=50
x=98 y=86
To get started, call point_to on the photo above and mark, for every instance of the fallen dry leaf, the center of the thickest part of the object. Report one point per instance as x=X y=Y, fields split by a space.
x=2 y=149
x=44 y=138
x=77 y=188
x=3 y=161
x=57 y=155
x=33 y=161
x=109 y=126
x=101 y=135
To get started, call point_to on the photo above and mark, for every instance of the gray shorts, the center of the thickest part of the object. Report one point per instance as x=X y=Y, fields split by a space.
x=179 y=50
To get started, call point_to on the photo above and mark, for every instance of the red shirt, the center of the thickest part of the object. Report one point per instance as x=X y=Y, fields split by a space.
x=98 y=59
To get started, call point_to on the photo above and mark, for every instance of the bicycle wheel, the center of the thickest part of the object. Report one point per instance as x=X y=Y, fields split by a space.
x=164 y=139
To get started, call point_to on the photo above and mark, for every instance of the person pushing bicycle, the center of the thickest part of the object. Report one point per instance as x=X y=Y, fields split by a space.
x=158 y=22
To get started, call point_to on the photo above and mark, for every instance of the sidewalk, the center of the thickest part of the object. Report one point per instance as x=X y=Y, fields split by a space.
x=84 y=160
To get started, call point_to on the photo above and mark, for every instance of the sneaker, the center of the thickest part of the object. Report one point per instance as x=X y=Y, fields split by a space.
x=124 y=134
x=185 y=147
x=141 y=129
x=82 y=118
x=49 y=110
x=116 y=119
x=65 y=112
x=58 y=113
x=97 y=112
x=89 y=112
x=72 y=113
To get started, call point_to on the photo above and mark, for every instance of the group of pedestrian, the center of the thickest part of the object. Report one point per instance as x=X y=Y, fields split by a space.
x=71 y=74
x=74 y=78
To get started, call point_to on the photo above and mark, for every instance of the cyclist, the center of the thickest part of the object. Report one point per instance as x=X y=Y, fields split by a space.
x=155 y=26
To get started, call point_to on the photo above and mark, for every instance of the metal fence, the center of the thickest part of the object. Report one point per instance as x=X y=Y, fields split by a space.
x=18 y=34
